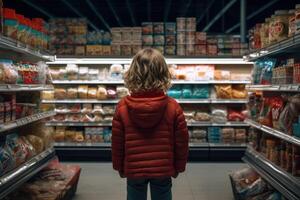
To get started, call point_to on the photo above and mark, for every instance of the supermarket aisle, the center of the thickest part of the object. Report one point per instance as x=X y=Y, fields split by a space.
x=202 y=181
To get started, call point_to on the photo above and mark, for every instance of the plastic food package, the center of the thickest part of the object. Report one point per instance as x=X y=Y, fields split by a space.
x=73 y=117
x=62 y=74
x=228 y=135
x=87 y=118
x=202 y=116
x=201 y=92
x=54 y=73
x=70 y=135
x=158 y=28
x=40 y=130
x=59 y=117
x=147 y=28
x=175 y=92
x=147 y=40
x=170 y=28
x=221 y=75
x=59 y=134
x=74 y=108
x=116 y=71
x=14 y=144
x=93 y=74
x=98 y=118
x=7 y=161
x=25 y=144
x=101 y=92
x=98 y=110
x=277 y=106
x=170 y=50
x=223 y=91
x=122 y=92
x=238 y=91
x=199 y=133
x=8 y=73
x=181 y=23
x=92 y=93
x=219 y=114
x=36 y=142
x=111 y=93
x=159 y=40
x=83 y=91
x=170 y=39
x=189 y=115
x=87 y=108
x=47 y=95
x=187 y=92
x=60 y=93
x=243 y=178
x=234 y=115
x=72 y=71
x=265 y=115
x=83 y=73
x=109 y=109
x=103 y=74
x=72 y=93
x=240 y=135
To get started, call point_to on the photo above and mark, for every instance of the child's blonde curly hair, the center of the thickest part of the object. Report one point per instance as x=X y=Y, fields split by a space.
x=148 y=71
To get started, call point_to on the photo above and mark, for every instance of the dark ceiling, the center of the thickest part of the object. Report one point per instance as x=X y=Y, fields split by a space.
x=152 y=10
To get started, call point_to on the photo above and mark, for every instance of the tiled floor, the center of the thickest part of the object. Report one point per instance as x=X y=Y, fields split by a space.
x=201 y=181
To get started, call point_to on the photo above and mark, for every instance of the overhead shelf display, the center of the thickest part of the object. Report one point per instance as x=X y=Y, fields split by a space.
x=282 y=181
x=26 y=120
x=15 y=46
x=14 y=179
x=291 y=44
x=25 y=87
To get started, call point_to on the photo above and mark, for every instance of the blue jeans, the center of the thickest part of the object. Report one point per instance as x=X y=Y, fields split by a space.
x=160 y=189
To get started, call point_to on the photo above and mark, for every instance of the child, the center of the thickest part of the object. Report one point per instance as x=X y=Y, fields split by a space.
x=149 y=132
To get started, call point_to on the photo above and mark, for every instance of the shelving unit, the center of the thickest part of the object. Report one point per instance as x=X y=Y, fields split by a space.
x=291 y=44
x=26 y=120
x=23 y=50
x=14 y=179
x=23 y=88
x=282 y=181
x=280 y=88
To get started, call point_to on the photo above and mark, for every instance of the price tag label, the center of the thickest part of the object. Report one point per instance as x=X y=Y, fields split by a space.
x=294 y=87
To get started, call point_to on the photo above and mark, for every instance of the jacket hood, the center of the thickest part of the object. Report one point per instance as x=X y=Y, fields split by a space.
x=146 y=112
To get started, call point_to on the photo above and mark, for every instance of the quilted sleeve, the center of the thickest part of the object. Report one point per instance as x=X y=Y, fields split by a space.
x=118 y=142
x=181 y=141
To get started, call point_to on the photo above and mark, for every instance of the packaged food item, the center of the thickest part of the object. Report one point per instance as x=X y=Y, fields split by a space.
x=135 y=48
x=7 y=161
x=83 y=73
x=93 y=74
x=223 y=91
x=240 y=135
x=98 y=110
x=111 y=92
x=36 y=142
x=147 y=40
x=235 y=115
x=180 y=49
x=228 y=135
x=9 y=73
x=222 y=75
x=109 y=110
x=191 y=24
x=116 y=72
x=202 y=116
x=103 y=74
x=280 y=25
x=92 y=93
x=265 y=115
x=200 y=38
x=59 y=134
x=70 y=135
x=25 y=144
x=189 y=116
x=14 y=144
x=219 y=114
x=201 y=91
x=47 y=95
x=170 y=28
x=170 y=50
x=72 y=93
x=158 y=28
x=60 y=93
x=83 y=91
x=238 y=91
x=175 y=92
x=181 y=39
x=116 y=49
x=181 y=24
x=190 y=37
x=136 y=33
x=10 y=23
x=159 y=40
x=122 y=92
x=74 y=108
x=54 y=73
x=147 y=28
x=87 y=118
x=292 y=23
x=190 y=49
x=62 y=74
x=72 y=71
x=87 y=108
x=277 y=106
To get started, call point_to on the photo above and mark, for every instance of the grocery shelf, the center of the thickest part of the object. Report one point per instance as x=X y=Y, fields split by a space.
x=26 y=120
x=176 y=82
x=282 y=181
x=115 y=101
x=72 y=101
x=288 y=45
x=24 y=87
x=192 y=124
x=18 y=47
x=230 y=60
x=17 y=177
x=273 y=132
x=277 y=88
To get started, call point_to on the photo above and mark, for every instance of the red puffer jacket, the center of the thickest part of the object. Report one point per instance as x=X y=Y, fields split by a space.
x=149 y=136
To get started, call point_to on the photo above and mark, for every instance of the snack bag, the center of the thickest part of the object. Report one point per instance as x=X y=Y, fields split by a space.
x=276 y=108
x=223 y=91
x=265 y=116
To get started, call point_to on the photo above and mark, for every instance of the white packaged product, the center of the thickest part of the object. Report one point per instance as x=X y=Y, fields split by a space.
x=83 y=73
x=93 y=74
x=122 y=91
x=219 y=114
x=72 y=71
x=116 y=71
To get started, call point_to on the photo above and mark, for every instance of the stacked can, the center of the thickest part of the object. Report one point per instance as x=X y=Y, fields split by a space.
x=212 y=47
x=136 y=43
x=126 y=37
x=159 y=36
x=116 y=41
x=170 y=38
x=147 y=34
x=181 y=39
x=200 y=43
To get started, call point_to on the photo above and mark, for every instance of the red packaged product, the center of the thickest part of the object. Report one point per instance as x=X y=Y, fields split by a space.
x=277 y=106
x=265 y=116
x=234 y=115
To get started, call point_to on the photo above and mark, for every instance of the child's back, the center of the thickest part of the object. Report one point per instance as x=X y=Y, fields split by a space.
x=150 y=137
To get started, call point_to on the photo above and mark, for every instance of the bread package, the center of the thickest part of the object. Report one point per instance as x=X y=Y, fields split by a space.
x=83 y=91
x=92 y=93
x=72 y=93
x=47 y=95
x=60 y=93
x=239 y=91
x=59 y=134
x=72 y=71
x=223 y=91
x=36 y=142
x=101 y=92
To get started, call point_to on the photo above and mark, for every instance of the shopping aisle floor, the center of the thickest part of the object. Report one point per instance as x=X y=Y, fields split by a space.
x=201 y=181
